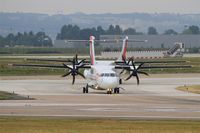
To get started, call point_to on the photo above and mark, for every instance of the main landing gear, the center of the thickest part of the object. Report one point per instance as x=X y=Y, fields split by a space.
x=116 y=91
x=85 y=89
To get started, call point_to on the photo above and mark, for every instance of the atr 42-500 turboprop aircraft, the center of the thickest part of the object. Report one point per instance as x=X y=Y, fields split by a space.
x=103 y=75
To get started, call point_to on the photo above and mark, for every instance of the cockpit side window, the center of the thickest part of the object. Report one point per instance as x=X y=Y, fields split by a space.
x=92 y=71
x=106 y=74
x=112 y=75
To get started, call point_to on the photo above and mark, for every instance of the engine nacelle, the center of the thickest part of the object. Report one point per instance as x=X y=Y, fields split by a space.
x=86 y=73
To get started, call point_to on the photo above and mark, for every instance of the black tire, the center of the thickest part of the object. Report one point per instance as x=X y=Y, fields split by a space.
x=117 y=90
x=109 y=92
x=86 y=89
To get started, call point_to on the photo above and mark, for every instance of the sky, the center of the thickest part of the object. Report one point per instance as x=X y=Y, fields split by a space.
x=101 y=6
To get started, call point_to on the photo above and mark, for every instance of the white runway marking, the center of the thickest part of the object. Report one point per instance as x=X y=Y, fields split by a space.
x=109 y=116
x=58 y=104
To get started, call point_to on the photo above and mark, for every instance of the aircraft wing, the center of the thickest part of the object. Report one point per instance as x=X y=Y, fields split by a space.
x=164 y=67
x=153 y=62
x=49 y=66
x=135 y=70
x=128 y=67
x=87 y=62
x=38 y=65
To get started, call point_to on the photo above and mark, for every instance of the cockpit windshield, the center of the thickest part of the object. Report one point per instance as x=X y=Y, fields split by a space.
x=108 y=75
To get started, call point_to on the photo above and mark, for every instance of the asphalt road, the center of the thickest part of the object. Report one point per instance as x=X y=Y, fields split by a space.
x=154 y=98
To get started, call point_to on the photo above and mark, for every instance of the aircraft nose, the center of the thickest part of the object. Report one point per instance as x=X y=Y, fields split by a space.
x=109 y=83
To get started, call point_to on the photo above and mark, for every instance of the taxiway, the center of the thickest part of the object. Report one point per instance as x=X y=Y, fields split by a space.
x=154 y=98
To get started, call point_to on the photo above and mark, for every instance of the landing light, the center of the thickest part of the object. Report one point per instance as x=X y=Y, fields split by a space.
x=96 y=87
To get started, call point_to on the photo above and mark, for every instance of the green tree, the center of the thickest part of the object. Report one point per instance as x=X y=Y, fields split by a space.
x=130 y=31
x=26 y=39
x=117 y=30
x=111 y=30
x=100 y=30
x=2 y=41
x=192 y=30
x=152 y=31
x=69 y=32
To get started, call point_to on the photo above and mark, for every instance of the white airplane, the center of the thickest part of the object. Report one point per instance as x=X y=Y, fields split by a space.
x=102 y=75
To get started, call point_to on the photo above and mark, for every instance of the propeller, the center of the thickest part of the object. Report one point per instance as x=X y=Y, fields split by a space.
x=73 y=71
x=135 y=71
x=125 y=62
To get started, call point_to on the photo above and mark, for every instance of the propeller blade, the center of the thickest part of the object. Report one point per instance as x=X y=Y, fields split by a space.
x=80 y=66
x=66 y=74
x=128 y=77
x=129 y=61
x=143 y=73
x=73 y=79
x=138 y=81
x=67 y=66
x=140 y=66
x=133 y=64
x=74 y=64
x=76 y=58
x=122 y=71
x=81 y=61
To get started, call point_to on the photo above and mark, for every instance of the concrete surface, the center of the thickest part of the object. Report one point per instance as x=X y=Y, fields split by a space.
x=154 y=98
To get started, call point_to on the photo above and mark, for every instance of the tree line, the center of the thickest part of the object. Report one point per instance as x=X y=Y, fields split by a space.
x=74 y=32
x=30 y=39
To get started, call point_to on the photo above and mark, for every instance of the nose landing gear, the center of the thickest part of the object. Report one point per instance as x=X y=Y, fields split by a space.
x=109 y=91
x=85 y=89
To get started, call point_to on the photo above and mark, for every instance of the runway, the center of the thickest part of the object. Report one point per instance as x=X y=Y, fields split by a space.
x=154 y=98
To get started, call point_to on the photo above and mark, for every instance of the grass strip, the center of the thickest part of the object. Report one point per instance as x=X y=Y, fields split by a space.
x=12 y=96
x=192 y=89
x=65 y=125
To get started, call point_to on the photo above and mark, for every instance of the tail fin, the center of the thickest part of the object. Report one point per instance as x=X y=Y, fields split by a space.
x=124 y=47
x=92 y=53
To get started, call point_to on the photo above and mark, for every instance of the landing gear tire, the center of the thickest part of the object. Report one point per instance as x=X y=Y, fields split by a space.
x=116 y=90
x=109 y=91
x=85 y=89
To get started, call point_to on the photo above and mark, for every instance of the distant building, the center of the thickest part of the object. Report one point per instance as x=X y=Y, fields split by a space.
x=175 y=51
x=154 y=41
x=65 y=44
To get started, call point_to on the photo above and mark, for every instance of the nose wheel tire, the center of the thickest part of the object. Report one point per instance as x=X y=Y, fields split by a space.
x=109 y=91
x=85 y=89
